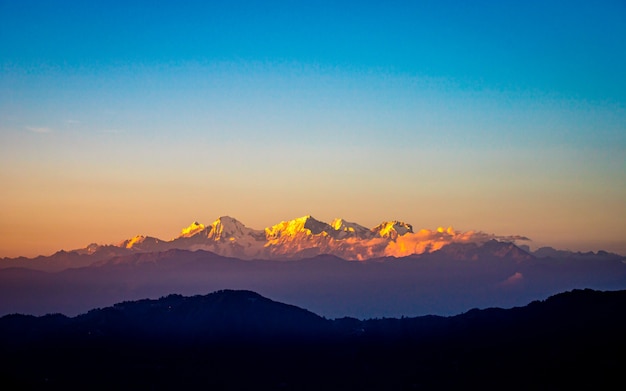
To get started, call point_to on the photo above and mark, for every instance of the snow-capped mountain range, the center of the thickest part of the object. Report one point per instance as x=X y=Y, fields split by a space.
x=302 y=237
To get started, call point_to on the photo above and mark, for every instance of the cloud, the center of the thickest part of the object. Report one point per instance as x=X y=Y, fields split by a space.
x=39 y=129
x=72 y=121
x=426 y=240
x=480 y=237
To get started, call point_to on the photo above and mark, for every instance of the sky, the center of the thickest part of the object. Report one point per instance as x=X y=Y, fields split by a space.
x=120 y=118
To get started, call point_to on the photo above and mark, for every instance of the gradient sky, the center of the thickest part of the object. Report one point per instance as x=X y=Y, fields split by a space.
x=139 y=117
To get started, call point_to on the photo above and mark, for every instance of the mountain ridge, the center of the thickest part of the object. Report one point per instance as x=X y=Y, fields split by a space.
x=223 y=301
x=298 y=238
x=443 y=281
x=305 y=237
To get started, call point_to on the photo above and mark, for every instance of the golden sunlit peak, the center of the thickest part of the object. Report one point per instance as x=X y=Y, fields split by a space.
x=137 y=239
x=305 y=224
x=341 y=224
x=231 y=229
x=346 y=229
x=195 y=227
x=393 y=229
x=226 y=222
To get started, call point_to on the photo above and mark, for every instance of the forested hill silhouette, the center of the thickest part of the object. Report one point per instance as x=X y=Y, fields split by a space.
x=239 y=339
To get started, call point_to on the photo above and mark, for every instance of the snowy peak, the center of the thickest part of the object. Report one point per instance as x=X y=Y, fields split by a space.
x=140 y=242
x=306 y=225
x=193 y=229
x=346 y=229
x=130 y=243
x=392 y=229
x=225 y=236
x=226 y=228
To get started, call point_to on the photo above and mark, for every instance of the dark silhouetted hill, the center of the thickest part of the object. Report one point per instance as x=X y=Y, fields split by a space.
x=241 y=340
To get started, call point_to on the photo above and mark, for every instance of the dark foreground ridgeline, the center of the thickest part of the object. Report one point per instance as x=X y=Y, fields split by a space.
x=241 y=340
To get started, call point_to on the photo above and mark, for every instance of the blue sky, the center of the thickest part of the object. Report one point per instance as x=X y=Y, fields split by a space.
x=145 y=116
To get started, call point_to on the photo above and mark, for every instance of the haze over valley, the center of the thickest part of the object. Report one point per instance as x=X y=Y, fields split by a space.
x=336 y=269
